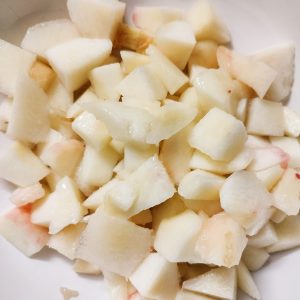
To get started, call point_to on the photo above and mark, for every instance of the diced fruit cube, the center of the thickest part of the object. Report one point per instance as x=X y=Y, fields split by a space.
x=117 y=286
x=131 y=60
x=270 y=176
x=28 y=194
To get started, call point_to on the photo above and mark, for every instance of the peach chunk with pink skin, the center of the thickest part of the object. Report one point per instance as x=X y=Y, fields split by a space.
x=16 y=228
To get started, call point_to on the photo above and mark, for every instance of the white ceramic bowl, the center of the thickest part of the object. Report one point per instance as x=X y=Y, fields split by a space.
x=254 y=25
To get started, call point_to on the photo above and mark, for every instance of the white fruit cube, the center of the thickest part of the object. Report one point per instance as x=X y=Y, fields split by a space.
x=219 y=142
x=13 y=62
x=176 y=237
x=200 y=185
x=170 y=118
x=85 y=14
x=29 y=120
x=28 y=194
x=291 y=147
x=239 y=162
x=27 y=170
x=152 y=184
x=176 y=40
x=255 y=258
x=270 y=176
x=206 y=23
x=143 y=82
x=291 y=122
x=246 y=200
x=282 y=59
x=66 y=241
x=288 y=233
x=171 y=76
x=264 y=238
x=72 y=60
x=191 y=98
x=286 y=193
x=96 y=168
x=156 y=278
x=40 y=37
x=105 y=80
x=215 y=88
x=151 y=18
x=219 y=282
x=114 y=244
x=225 y=244
x=246 y=282
x=91 y=130
x=131 y=60
x=16 y=228
x=61 y=208
x=265 y=118
x=255 y=74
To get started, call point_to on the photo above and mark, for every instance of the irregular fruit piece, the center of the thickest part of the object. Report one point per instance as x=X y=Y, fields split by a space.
x=191 y=98
x=40 y=37
x=246 y=200
x=239 y=162
x=264 y=238
x=242 y=110
x=200 y=185
x=219 y=282
x=131 y=38
x=270 y=176
x=28 y=194
x=176 y=41
x=265 y=118
x=251 y=72
x=105 y=79
x=114 y=244
x=286 y=193
x=83 y=267
x=117 y=286
x=27 y=170
x=16 y=228
x=59 y=209
x=206 y=23
x=131 y=60
x=91 y=130
x=29 y=120
x=219 y=142
x=66 y=241
x=291 y=147
x=281 y=58
x=288 y=233
x=85 y=14
x=291 y=122
x=156 y=278
x=142 y=82
x=246 y=282
x=172 y=77
x=13 y=62
x=72 y=60
x=255 y=258
x=225 y=244
x=151 y=18
x=176 y=237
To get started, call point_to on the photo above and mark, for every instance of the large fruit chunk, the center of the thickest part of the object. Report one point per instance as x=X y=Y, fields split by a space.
x=176 y=40
x=13 y=62
x=253 y=73
x=281 y=58
x=96 y=18
x=59 y=209
x=29 y=120
x=225 y=244
x=72 y=60
x=219 y=282
x=40 y=37
x=206 y=23
x=219 y=142
x=156 y=278
x=114 y=244
x=265 y=118
x=246 y=200
x=27 y=170
x=15 y=227
x=200 y=185
x=176 y=237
